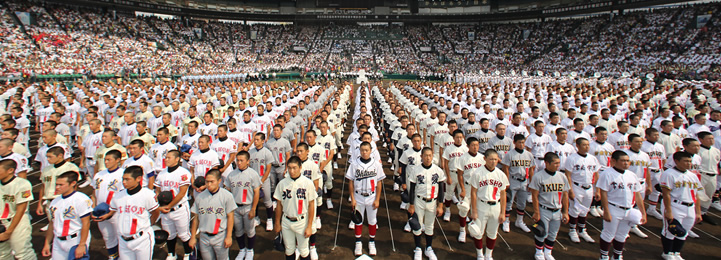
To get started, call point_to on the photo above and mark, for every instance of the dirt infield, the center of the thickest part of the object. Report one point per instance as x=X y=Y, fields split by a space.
x=513 y=245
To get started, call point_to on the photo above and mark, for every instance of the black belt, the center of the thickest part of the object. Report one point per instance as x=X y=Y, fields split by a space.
x=583 y=186
x=131 y=238
x=549 y=209
x=176 y=207
x=243 y=205
x=519 y=179
x=426 y=200
x=211 y=234
x=292 y=219
x=620 y=207
x=68 y=237
x=687 y=204
x=710 y=174
x=539 y=158
x=364 y=194
x=90 y=158
x=492 y=203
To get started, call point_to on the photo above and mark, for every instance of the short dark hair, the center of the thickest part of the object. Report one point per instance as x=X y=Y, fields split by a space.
x=135 y=171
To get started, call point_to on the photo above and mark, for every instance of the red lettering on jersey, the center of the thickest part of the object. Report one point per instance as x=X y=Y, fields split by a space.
x=66 y=228
x=217 y=226
x=133 y=226
x=300 y=207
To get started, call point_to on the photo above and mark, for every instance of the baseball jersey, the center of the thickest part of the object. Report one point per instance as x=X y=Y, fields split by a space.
x=280 y=149
x=148 y=140
x=208 y=129
x=550 y=130
x=696 y=162
x=427 y=179
x=573 y=135
x=365 y=175
x=260 y=158
x=656 y=153
x=191 y=140
x=172 y=130
x=246 y=131
x=550 y=187
x=21 y=161
x=710 y=157
x=582 y=168
x=235 y=136
x=66 y=213
x=671 y=142
x=562 y=150
x=224 y=148
x=133 y=210
x=327 y=142
x=452 y=153
x=242 y=184
x=513 y=130
x=203 y=161
x=126 y=132
x=106 y=184
x=640 y=162
x=470 y=129
x=103 y=150
x=144 y=162
x=158 y=151
x=172 y=179
x=603 y=152
x=294 y=195
x=14 y=192
x=318 y=153
x=49 y=175
x=683 y=185
x=262 y=122
x=620 y=186
x=468 y=162
x=484 y=136
x=41 y=155
x=501 y=144
x=619 y=140
x=212 y=210
x=538 y=144
x=309 y=169
x=519 y=163
x=488 y=183
x=411 y=157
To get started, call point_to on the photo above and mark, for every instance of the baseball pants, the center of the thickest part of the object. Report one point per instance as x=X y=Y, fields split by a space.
x=686 y=215
x=450 y=193
x=90 y=168
x=466 y=200
x=552 y=221
x=109 y=232
x=177 y=222
x=655 y=194
x=426 y=212
x=365 y=206
x=518 y=192
x=276 y=174
x=267 y=192
x=61 y=249
x=294 y=236
x=242 y=225
x=487 y=219
x=619 y=226
x=709 y=187
x=139 y=248
x=328 y=181
x=19 y=242
x=213 y=247
x=581 y=203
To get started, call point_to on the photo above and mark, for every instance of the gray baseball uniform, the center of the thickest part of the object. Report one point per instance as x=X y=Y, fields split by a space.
x=519 y=163
x=280 y=149
x=259 y=159
x=550 y=187
x=242 y=184
x=212 y=211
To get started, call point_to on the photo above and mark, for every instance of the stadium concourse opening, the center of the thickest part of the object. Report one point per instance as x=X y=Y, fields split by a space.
x=346 y=129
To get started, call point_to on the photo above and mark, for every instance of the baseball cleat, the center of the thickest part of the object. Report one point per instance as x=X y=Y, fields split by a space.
x=548 y=255
x=313 y=253
x=372 y=248
x=241 y=254
x=692 y=234
x=430 y=254
x=396 y=187
x=479 y=254
x=520 y=224
x=418 y=254
x=407 y=228
x=594 y=212
x=447 y=215
x=269 y=225
x=678 y=256
x=574 y=235
x=172 y=257
x=651 y=211
x=586 y=237
x=637 y=231
x=351 y=225
x=669 y=256
x=317 y=222
x=329 y=203
x=462 y=236
x=506 y=225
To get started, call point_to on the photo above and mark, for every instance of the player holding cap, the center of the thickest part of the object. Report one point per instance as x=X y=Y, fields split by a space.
x=620 y=191
x=518 y=166
x=488 y=202
x=49 y=174
x=16 y=193
x=296 y=211
x=679 y=188
x=108 y=183
x=549 y=192
x=70 y=218
x=427 y=184
x=365 y=179
x=137 y=209
x=244 y=183
x=213 y=208
x=639 y=162
x=465 y=169
x=581 y=170
x=176 y=215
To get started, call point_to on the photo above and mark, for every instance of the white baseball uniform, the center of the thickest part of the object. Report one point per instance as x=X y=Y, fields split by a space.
x=133 y=210
x=66 y=213
x=428 y=181
x=295 y=196
x=177 y=221
x=107 y=184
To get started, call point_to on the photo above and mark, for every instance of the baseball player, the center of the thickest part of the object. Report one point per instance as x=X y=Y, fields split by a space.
x=260 y=160
x=451 y=153
x=176 y=215
x=465 y=169
x=15 y=195
x=427 y=184
x=639 y=165
x=581 y=170
x=620 y=190
x=549 y=191
x=538 y=142
x=560 y=147
x=327 y=141
x=70 y=218
x=602 y=151
x=203 y=161
x=409 y=160
x=518 y=166
x=6 y=152
x=500 y=143
x=213 y=208
x=310 y=170
x=109 y=144
x=488 y=201
x=244 y=183
x=710 y=157
x=657 y=153
x=136 y=209
x=159 y=150
x=139 y=158
x=107 y=183
x=226 y=149
x=679 y=188
x=295 y=212
x=365 y=182
x=281 y=149
x=191 y=137
x=49 y=174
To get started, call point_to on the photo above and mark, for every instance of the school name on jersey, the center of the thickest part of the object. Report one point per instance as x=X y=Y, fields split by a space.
x=584 y=167
x=9 y=198
x=212 y=210
x=170 y=184
x=421 y=179
x=656 y=155
x=639 y=163
x=362 y=174
x=224 y=150
x=242 y=184
x=205 y=162
x=621 y=186
x=299 y=193
x=552 y=187
x=490 y=182
x=521 y=163
x=472 y=165
x=684 y=184
x=483 y=140
x=455 y=155
x=502 y=147
x=131 y=209
x=604 y=153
